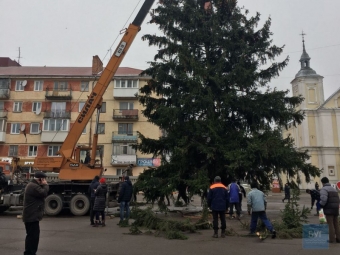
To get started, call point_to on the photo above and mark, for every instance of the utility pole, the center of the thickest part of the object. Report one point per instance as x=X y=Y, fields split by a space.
x=19 y=57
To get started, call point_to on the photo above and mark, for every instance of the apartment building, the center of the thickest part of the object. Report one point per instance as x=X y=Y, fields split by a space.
x=38 y=106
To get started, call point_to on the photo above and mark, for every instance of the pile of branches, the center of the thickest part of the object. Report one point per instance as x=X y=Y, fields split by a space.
x=170 y=229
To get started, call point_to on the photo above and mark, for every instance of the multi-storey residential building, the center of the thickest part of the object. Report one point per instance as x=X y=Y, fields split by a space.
x=38 y=105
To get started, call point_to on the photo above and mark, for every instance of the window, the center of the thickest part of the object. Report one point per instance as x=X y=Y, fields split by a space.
x=81 y=105
x=32 y=151
x=125 y=106
x=126 y=83
x=15 y=128
x=101 y=128
x=19 y=86
x=36 y=107
x=119 y=171
x=103 y=108
x=58 y=109
x=100 y=150
x=2 y=125
x=84 y=131
x=55 y=125
x=52 y=150
x=60 y=85
x=125 y=128
x=84 y=86
x=2 y=105
x=17 y=106
x=13 y=151
x=4 y=83
x=38 y=85
x=35 y=128
x=123 y=149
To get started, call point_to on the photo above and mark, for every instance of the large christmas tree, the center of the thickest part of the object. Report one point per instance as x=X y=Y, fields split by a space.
x=210 y=94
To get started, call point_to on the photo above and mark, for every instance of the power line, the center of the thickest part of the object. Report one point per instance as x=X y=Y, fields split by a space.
x=321 y=47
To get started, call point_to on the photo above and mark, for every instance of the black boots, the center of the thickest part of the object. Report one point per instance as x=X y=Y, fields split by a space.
x=223 y=233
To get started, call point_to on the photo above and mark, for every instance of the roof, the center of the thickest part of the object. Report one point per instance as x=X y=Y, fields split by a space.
x=328 y=99
x=4 y=61
x=60 y=71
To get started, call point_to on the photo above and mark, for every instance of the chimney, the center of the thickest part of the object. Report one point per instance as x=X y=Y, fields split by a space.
x=97 y=65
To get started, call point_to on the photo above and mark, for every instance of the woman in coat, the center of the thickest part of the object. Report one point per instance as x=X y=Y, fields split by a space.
x=100 y=202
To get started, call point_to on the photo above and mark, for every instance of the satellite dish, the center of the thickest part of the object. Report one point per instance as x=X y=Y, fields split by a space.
x=38 y=111
x=24 y=83
x=23 y=127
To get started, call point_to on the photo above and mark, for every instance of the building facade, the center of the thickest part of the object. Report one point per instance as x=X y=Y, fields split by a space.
x=38 y=106
x=319 y=132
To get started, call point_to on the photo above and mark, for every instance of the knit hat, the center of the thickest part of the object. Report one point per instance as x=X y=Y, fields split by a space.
x=102 y=180
x=126 y=178
x=40 y=175
x=217 y=179
x=324 y=180
x=97 y=178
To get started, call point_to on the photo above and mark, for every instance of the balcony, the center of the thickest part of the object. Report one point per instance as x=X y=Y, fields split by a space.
x=3 y=114
x=125 y=93
x=58 y=94
x=124 y=137
x=4 y=93
x=125 y=114
x=123 y=160
x=57 y=115
x=53 y=136
x=2 y=137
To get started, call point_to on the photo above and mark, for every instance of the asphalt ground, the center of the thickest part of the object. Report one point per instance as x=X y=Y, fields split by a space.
x=65 y=234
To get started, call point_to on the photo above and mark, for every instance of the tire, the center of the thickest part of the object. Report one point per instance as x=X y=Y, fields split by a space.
x=3 y=208
x=53 y=205
x=79 y=205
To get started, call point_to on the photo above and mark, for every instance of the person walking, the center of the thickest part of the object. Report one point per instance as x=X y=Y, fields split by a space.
x=234 y=200
x=287 y=193
x=125 y=194
x=316 y=185
x=329 y=201
x=256 y=203
x=100 y=202
x=242 y=191
x=93 y=186
x=33 y=210
x=217 y=201
x=315 y=196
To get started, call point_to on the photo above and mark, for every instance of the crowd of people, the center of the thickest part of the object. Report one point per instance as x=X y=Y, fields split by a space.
x=221 y=200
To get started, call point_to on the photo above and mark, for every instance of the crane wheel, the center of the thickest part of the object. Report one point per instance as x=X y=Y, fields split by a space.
x=53 y=205
x=79 y=205
x=3 y=208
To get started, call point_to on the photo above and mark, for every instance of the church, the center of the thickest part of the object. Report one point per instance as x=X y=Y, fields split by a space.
x=319 y=132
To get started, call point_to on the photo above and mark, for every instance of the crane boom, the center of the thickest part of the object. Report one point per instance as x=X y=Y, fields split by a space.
x=93 y=102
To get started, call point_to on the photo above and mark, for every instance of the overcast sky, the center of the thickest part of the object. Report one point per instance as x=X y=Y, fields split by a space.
x=70 y=32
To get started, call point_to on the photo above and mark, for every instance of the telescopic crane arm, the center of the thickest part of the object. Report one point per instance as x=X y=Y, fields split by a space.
x=69 y=170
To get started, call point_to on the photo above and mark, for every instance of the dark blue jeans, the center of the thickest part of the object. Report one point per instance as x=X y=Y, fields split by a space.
x=262 y=215
x=124 y=206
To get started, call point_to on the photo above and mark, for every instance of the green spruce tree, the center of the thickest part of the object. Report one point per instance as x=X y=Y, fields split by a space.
x=210 y=94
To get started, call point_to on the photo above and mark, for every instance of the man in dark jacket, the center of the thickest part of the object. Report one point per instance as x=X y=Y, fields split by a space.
x=125 y=194
x=93 y=186
x=315 y=196
x=34 y=198
x=218 y=198
x=329 y=201
x=287 y=193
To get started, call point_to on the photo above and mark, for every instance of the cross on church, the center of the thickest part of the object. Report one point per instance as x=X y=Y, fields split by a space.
x=303 y=34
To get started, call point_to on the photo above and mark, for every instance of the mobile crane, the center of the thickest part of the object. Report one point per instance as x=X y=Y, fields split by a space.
x=71 y=188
